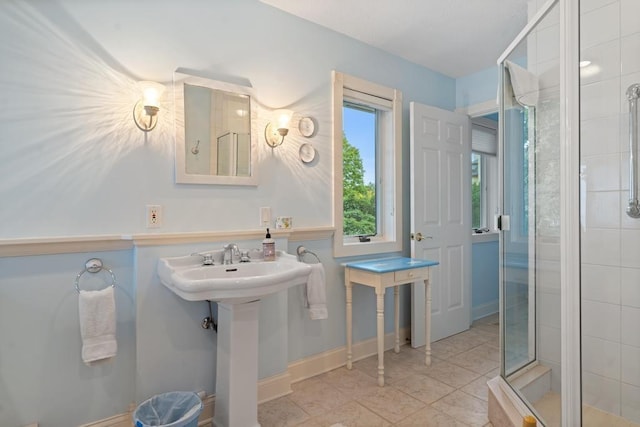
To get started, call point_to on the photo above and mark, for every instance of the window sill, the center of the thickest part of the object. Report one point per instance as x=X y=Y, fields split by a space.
x=491 y=236
x=369 y=248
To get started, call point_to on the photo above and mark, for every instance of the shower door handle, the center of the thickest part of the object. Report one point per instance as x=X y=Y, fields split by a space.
x=503 y=222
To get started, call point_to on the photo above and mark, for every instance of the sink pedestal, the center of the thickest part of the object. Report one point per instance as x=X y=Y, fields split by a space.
x=237 y=365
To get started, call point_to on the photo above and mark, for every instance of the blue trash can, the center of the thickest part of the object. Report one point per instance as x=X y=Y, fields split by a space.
x=173 y=409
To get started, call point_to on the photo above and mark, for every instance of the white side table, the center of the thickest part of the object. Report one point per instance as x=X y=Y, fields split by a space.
x=381 y=274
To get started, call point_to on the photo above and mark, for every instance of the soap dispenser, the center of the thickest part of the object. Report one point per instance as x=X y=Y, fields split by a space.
x=269 y=247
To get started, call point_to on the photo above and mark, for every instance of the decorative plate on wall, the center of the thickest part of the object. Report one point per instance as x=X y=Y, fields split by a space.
x=307 y=153
x=306 y=126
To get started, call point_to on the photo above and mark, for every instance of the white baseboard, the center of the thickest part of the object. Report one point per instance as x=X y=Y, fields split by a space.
x=121 y=420
x=273 y=387
x=484 y=310
x=332 y=359
x=206 y=417
x=280 y=385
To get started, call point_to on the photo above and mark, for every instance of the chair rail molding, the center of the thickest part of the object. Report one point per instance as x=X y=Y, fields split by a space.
x=32 y=246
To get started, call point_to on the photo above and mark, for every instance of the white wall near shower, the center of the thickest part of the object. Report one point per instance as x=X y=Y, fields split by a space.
x=610 y=247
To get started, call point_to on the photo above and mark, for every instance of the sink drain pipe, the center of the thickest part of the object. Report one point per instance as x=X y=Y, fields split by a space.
x=209 y=322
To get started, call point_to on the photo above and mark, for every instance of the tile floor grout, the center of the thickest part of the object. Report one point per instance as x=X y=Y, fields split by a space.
x=450 y=392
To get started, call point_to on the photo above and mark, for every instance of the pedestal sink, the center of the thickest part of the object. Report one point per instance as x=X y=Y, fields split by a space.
x=237 y=288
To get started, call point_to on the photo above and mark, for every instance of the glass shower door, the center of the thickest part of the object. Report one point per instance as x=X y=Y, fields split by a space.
x=518 y=278
x=530 y=240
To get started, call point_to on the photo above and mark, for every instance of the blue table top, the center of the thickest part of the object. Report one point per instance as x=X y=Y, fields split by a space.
x=387 y=265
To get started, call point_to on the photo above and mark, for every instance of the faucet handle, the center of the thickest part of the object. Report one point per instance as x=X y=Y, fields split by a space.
x=207 y=259
x=244 y=256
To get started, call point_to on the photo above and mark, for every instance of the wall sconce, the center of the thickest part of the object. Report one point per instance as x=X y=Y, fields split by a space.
x=274 y=133
x=145 y=112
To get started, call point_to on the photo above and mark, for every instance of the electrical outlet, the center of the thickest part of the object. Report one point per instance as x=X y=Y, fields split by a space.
x=154 y=216
x=265 y=216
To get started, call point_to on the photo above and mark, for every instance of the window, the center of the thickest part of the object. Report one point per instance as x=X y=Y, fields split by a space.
x=484 y=173
x=367 y=167
x=359 y=149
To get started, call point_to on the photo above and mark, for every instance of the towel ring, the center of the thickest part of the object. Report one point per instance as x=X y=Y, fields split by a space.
x=302 y=251
x=94 y=265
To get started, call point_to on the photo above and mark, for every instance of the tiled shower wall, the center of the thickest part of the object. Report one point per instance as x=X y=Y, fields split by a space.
x=610 y=39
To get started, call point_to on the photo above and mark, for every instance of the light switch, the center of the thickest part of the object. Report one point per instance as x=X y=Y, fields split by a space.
x=265 y=216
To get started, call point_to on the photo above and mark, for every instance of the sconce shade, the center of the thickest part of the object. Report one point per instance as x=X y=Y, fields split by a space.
x=276 y=130
x=146 y=109
x=283 y=118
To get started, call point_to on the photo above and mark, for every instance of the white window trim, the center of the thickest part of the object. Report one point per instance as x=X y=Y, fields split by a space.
x=390 y=240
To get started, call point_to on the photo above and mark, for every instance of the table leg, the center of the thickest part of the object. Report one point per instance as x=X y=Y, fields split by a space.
x=348 y=285
x=427 y=321
x=396 y=317
x=380 y=327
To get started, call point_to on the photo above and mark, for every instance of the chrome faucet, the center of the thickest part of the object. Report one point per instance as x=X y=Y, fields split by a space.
x=207 y=259
x=229 y=249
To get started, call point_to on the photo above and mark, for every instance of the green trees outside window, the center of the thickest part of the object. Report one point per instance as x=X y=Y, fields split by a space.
x=476 y=218
x=359 y=199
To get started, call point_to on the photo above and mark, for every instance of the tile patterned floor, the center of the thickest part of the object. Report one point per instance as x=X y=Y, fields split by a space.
x=452 y=392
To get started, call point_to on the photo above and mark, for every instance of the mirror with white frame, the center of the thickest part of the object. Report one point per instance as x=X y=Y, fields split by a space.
x=216 y=135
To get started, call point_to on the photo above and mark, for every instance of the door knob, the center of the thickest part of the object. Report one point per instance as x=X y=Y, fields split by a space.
x=419 y=237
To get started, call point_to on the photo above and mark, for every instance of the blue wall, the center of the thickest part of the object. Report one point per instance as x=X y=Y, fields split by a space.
x=42 y=376
x=69 y=73
x=477 y=88
x=484 y=278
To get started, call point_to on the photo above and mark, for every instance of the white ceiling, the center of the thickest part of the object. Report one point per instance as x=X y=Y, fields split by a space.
x=453 y=37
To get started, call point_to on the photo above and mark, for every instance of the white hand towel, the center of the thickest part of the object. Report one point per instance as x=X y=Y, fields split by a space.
x=524 y=84
x=316 y=293
x=98 y=324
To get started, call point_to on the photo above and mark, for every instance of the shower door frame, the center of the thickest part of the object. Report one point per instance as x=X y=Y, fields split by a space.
x=571 y=378
x=571 y=390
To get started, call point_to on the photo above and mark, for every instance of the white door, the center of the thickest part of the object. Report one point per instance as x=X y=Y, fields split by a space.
x=441 y=213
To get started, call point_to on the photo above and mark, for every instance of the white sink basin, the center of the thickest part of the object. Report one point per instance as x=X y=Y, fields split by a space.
x=231 y=283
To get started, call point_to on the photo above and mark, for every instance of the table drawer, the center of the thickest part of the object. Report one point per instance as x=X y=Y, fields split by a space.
x=411 y=274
